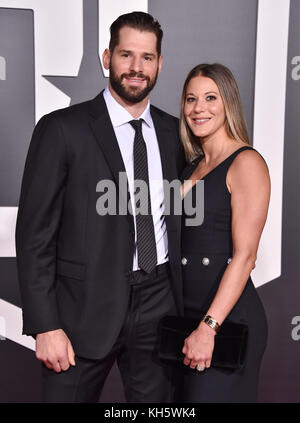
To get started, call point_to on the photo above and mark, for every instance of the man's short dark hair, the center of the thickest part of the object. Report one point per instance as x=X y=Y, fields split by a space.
x=136 y=20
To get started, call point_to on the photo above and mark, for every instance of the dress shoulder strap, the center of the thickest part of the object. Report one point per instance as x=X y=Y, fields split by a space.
x=231 y=158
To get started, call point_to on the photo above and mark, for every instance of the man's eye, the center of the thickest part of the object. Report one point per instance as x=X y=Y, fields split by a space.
x=125 y=55
x=148 y=58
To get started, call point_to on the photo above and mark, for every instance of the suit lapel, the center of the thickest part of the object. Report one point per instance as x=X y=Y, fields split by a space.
x=104 y=133
x=164 y=135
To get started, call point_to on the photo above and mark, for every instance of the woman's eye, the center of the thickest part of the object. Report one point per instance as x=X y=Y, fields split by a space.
x=190 y=99
x=211 y=98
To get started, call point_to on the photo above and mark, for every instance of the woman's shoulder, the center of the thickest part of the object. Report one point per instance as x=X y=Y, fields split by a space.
x=248 y=162
x=247 y=155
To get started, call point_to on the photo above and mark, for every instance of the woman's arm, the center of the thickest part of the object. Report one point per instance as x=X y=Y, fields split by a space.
x=249 y=183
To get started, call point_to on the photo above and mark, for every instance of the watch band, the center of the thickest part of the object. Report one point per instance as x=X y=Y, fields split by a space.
x=211 y=322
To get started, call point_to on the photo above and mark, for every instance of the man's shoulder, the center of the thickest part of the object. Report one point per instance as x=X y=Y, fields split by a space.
x=71 y=112
x=78 y=110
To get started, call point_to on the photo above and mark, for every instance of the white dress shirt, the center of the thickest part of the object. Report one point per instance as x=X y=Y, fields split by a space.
x=125 y=133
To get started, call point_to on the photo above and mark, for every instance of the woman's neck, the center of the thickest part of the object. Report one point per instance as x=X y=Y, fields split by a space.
x=215 y=146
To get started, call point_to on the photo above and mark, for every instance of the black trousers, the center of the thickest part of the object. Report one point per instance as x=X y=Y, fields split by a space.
x=144 y=377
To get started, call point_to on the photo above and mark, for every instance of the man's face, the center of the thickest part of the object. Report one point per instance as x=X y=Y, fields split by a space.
x=134 y=64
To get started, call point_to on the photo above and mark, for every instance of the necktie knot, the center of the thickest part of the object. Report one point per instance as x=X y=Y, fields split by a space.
x=136 y=124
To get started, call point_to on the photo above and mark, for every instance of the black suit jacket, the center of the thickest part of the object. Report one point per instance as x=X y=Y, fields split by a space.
x=73 y=264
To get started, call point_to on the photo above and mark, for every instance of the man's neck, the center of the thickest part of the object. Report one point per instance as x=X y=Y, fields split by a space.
x=135 y=109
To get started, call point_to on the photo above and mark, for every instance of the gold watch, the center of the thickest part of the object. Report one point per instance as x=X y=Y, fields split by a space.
x=211 y=322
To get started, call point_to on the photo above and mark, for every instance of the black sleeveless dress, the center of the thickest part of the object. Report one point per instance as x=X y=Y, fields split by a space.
x=206 y=252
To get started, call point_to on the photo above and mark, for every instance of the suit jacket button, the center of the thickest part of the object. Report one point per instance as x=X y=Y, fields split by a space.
x=229 y=260
x=205 y=261
x=184 y=261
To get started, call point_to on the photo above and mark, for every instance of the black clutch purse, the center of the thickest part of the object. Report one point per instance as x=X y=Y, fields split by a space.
x=230 y=341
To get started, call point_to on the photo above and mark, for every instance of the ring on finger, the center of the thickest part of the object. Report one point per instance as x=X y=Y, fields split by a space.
x=200 y=368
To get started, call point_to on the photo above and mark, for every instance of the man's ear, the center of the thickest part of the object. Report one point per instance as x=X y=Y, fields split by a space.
x=106 y=58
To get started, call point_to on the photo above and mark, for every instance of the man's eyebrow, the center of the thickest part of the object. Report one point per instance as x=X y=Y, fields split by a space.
x=129 y=51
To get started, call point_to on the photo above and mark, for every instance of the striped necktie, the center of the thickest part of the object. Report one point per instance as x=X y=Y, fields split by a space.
x=146 y=243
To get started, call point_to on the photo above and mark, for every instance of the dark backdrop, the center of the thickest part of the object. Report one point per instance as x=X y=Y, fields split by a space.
x=195 y=31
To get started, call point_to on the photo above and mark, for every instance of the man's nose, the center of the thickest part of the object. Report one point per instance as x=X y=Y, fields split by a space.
x=136 y=64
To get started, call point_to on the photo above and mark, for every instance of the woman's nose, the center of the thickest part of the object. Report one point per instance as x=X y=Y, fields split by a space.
x=199 y=105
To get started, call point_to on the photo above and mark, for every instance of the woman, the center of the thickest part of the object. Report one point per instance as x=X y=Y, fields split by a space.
x=218 y=255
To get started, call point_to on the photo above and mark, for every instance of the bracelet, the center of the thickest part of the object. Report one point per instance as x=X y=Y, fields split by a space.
x=211 y=322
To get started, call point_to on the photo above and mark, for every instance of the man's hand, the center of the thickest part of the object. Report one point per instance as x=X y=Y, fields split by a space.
x=55 y=350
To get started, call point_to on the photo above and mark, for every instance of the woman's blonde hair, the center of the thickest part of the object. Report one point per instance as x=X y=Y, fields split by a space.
x=235 y=123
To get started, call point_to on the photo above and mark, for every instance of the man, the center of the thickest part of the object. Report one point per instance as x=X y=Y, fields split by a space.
x=94 y=286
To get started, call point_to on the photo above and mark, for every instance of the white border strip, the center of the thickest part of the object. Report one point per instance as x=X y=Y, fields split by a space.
x=269 y=122
x=8 y=218
x=11 y=325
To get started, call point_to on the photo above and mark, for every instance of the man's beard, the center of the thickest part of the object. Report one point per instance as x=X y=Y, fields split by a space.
x=131 y=94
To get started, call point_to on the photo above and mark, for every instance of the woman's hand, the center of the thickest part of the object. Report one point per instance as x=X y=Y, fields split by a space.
x=198 y=347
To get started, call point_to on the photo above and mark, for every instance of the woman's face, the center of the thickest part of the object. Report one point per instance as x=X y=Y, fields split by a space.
x=204 y=109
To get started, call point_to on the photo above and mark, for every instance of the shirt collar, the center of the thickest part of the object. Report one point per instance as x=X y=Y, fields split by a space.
x=119 y=115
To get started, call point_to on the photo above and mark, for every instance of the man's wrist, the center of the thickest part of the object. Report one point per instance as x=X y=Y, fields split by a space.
x=51 y=331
